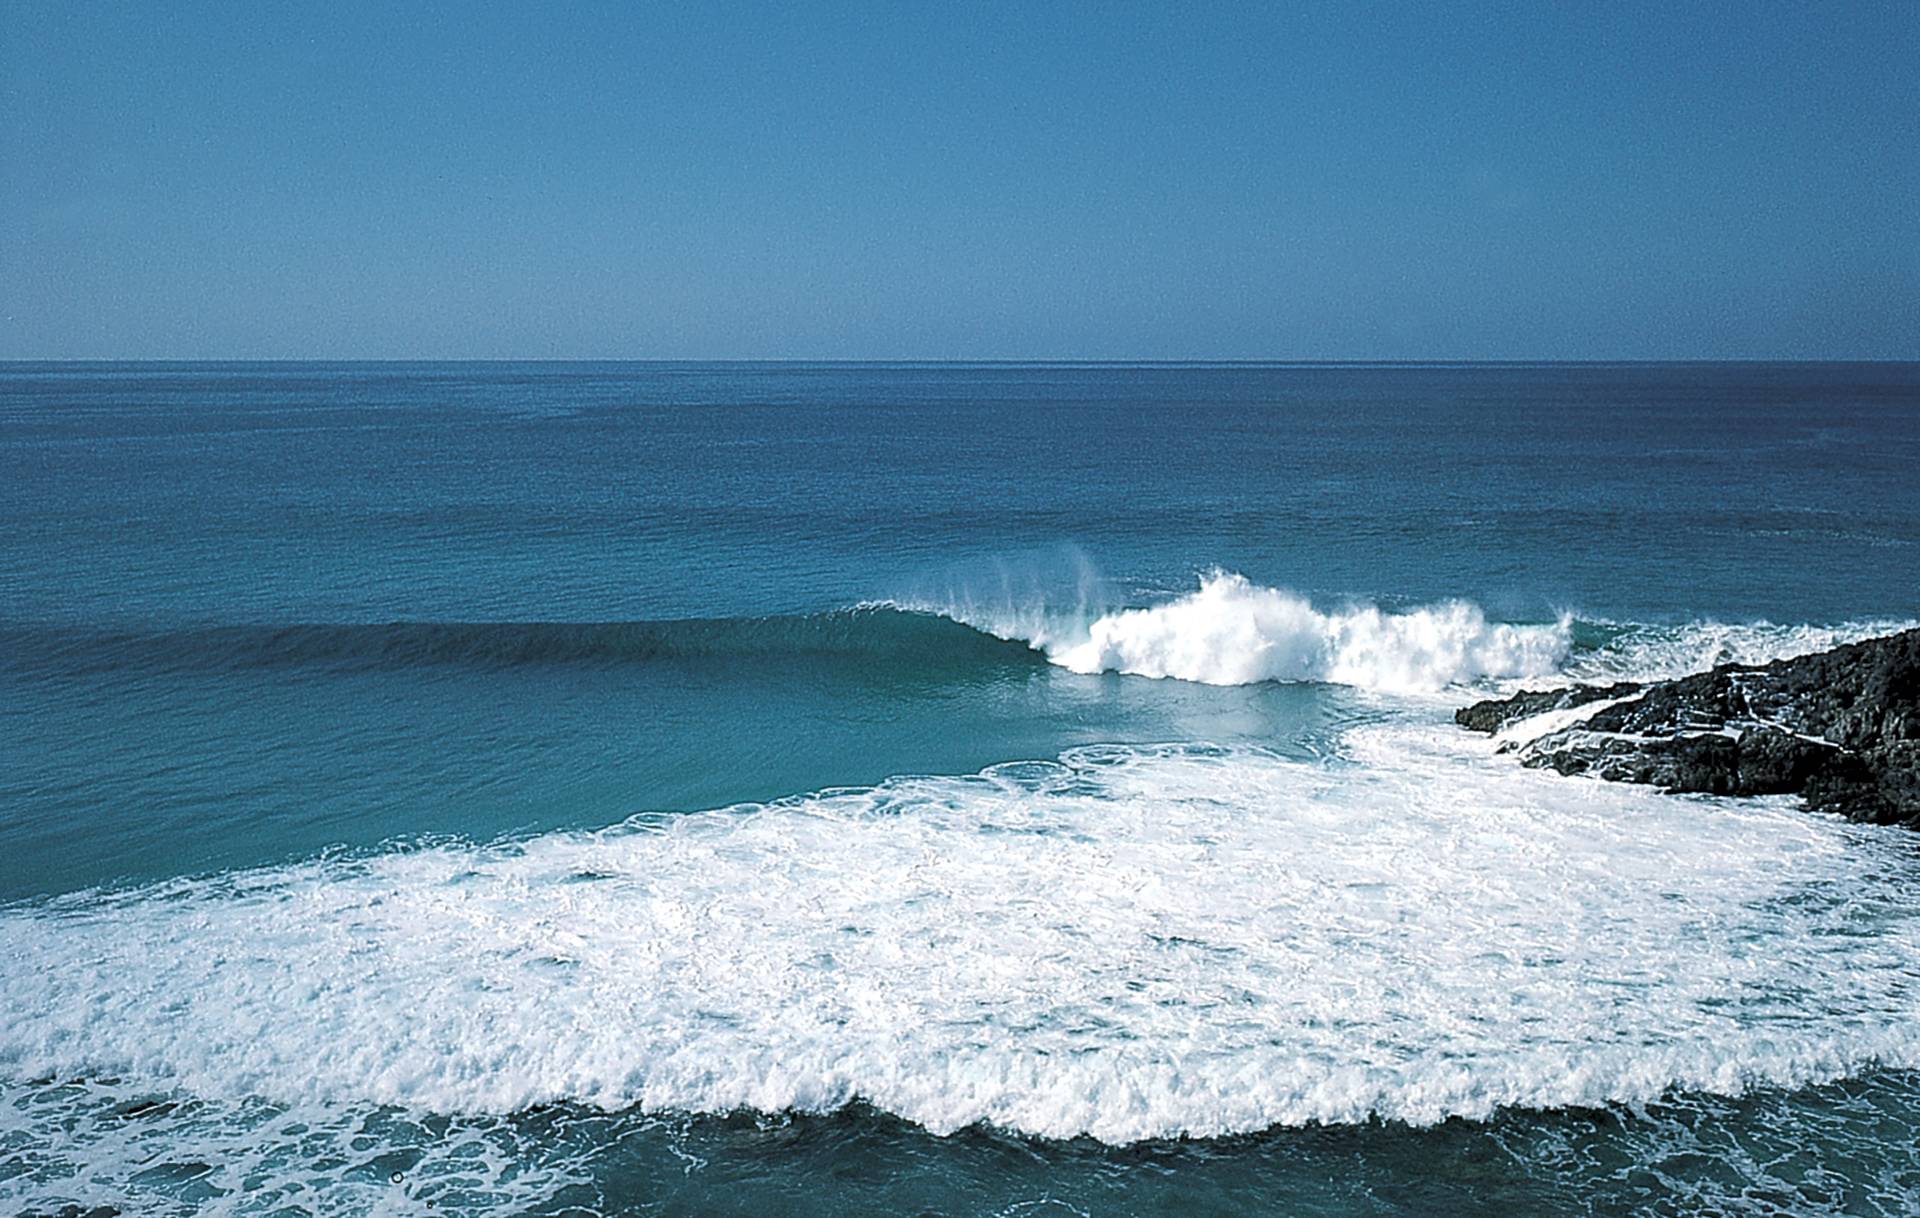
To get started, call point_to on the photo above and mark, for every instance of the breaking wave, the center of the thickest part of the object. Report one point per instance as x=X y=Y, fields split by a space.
x=1128 y=943
x=1232 y=631
x=1615 y=651
x=1229 y=631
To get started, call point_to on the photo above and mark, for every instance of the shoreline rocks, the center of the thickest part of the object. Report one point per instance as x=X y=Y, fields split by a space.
x=1840 y=728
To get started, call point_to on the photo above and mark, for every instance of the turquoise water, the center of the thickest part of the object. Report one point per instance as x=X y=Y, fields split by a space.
x=895 y=789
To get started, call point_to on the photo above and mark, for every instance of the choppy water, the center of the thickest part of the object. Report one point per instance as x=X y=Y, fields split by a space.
x=709 y=789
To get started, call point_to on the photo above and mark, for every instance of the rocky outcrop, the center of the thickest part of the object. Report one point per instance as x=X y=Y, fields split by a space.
x=1840 y=728
x=1496 y=713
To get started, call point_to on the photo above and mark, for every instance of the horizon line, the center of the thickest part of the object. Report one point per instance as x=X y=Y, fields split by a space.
x=1117 y=361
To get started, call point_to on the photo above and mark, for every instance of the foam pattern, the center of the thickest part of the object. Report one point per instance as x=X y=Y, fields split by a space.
x=1126 y=943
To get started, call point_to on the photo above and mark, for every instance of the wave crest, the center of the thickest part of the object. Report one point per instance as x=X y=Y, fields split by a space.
x=1235 y=632
x=862 y=633
x=1232 y=631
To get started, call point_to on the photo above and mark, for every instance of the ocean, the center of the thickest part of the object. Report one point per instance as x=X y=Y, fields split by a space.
x=931 y=789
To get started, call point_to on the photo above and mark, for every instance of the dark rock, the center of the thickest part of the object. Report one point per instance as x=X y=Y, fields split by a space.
x=1496 y=713
x=1840 y=728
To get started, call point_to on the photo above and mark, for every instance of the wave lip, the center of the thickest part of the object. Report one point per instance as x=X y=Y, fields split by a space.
x=864 y=632
x=1234 y=632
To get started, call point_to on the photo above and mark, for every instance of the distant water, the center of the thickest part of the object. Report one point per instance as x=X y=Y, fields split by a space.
x=930 y=789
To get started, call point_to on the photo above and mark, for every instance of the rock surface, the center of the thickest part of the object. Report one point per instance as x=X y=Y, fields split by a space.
x=1496 y=713
x=1840 y=728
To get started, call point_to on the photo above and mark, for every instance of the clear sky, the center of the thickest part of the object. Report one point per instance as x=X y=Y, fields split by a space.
x=957 y=180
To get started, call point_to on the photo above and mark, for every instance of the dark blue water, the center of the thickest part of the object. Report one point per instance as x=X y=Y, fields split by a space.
x=304 y=628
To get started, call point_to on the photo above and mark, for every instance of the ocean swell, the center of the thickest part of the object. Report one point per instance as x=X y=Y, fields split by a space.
x=862 y=633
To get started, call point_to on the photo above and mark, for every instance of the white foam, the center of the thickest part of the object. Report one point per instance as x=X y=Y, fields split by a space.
x=1658 y=653
x=1234 y=632
x=110 y=1146
x=1128 y=943
x=1526 y=730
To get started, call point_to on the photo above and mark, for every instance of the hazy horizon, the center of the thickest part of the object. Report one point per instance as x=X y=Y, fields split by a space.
x=851 y=361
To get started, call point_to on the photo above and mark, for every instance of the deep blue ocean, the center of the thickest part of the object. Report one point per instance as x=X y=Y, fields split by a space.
x=960 y=790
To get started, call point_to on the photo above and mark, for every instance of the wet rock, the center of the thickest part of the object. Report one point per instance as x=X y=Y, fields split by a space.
x=1840 y=728
x=1496 y=713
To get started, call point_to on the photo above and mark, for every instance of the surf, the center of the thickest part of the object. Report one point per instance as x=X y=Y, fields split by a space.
x=1232 y=631
x=1126 y=943
x=1228 y=631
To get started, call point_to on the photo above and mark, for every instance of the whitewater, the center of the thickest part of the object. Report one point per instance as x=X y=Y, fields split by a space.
x=1126 y=942
x=1232 y=631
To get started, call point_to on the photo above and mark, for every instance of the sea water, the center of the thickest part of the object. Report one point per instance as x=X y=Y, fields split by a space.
x=930 y=789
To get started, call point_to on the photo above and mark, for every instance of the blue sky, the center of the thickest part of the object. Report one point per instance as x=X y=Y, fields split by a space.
x=1312 y=181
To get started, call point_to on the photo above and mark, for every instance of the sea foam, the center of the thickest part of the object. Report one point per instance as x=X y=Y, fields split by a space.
x=1127 y=943
x=1232 y=631
x=1643 y=652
